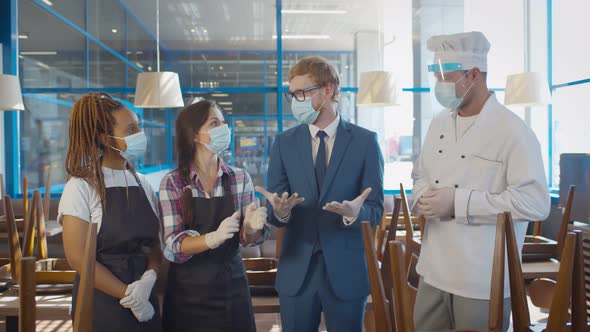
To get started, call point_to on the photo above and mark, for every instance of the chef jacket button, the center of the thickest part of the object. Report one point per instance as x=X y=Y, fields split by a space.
x=439 y=151
x=456 y=186
x=452 y=217
x=442 y=136
x=462 y=156
x=436 y=181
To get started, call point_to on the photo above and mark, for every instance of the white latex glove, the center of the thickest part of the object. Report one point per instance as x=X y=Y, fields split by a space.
x=281 y=205
x=142 y=288
x=437 y=203
x=226 y=230
x=254 y=218
x=349 y=209
x=142 y=310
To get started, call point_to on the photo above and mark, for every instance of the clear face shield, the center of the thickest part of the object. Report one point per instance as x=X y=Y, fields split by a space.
x=448 y=84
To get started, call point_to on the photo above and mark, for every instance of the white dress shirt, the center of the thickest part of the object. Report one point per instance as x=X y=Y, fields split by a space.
x=331 y=131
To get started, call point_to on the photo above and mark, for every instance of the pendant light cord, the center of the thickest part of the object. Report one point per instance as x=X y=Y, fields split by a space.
x=525 y=8
x=158 y=34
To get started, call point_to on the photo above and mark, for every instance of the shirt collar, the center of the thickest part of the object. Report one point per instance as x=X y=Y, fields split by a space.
x=490 y=102
x=330 y=129
x=223 y=168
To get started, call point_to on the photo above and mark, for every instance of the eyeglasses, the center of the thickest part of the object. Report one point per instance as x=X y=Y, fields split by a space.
x=299 y=95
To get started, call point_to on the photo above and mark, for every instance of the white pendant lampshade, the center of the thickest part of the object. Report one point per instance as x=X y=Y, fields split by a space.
x=377 y=89
x=158 y=90
x=11 y=97
x=527 y=89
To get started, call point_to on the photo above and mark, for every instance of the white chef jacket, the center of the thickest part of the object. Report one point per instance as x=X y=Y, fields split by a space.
x=496 y=166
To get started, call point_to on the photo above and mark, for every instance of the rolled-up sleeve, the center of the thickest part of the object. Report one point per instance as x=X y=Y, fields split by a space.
x=171 y=220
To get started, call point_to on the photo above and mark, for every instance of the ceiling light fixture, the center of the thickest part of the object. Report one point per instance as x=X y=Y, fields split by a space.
x=47 y=2
x=11 y=97
x=114 y=30
x=314 y=11
x=158 y=89
x=303 y=37
x=377 y=89
x=39 y=53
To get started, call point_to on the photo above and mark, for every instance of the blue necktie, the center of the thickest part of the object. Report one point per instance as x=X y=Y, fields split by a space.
x=320 y=160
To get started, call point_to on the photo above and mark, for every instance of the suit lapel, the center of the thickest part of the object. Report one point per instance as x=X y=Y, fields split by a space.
x=343 y=137
x=305 y=151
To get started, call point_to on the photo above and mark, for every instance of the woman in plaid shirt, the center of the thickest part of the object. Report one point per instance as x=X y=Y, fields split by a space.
x=208 y=208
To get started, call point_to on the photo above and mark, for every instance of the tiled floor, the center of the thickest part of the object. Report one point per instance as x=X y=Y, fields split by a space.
x=264 y=323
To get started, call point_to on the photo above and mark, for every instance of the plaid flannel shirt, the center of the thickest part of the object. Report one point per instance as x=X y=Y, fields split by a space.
x=171 y=189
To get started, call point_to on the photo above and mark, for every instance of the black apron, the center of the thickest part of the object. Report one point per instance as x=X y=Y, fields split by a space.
x=209 y=292
x=129 y=228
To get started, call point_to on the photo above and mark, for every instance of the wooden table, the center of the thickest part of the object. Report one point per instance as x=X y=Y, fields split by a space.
x=52 y=228
x=266 y=304
x=57 y=307
x=49 y=307
x=542 y=269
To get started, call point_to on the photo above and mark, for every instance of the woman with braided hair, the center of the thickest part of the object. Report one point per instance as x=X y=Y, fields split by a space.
x=103 y=188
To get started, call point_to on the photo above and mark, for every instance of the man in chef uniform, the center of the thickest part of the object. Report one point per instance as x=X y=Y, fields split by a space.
x=478 y=159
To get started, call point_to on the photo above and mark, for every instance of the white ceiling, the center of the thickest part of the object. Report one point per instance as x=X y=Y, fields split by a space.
x=207 y=24
x=239 y=24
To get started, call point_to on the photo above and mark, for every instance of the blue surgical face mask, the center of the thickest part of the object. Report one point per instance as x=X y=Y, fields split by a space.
x=220 y=139
x=303 y=110
x=136 y=145
x=446 y=93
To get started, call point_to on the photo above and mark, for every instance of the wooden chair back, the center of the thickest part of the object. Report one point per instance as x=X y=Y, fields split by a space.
x=35 y=228
x=413 y=244
x=563 y=228
x=27 y=291
x=13 y=241
x=380 y=303
x=47 y=195
x=580 y=306
x=520 y=310
x=403 y=306
x=48 y=271
x=496 y=310
x=537 y=228
x=558 y=313
x=25 y=191
x=85 y=297
x=29 y=226
x=385 y=261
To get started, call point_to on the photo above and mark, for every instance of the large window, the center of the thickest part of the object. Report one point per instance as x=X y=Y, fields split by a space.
x=571 y=80
x=571 y=121
x=230 y=52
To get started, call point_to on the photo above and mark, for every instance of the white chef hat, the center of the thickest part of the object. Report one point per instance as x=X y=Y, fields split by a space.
x=464 y=50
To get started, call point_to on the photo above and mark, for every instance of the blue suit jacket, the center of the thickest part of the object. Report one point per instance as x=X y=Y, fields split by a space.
x=355 y=164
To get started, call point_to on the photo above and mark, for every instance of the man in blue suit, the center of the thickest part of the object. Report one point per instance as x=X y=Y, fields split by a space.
x=325 y=176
